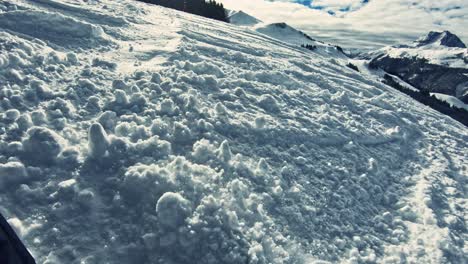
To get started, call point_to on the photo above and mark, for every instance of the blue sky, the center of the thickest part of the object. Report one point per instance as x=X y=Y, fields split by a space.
x=333 y=7
x=305 y=2
x=359 y=23
x=342 y=6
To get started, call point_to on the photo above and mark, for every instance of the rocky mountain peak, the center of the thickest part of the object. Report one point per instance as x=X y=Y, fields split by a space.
x=444 y=38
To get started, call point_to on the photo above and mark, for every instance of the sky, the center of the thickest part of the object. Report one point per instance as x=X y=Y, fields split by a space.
x=362 y=23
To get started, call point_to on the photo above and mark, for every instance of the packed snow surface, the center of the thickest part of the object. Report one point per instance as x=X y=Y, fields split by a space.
x=136 y=134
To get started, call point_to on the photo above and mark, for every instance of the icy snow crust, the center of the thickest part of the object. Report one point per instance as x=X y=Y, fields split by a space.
x=136 y=134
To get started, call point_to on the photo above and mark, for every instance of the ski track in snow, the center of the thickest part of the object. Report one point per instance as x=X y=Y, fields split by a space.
x=136 y=134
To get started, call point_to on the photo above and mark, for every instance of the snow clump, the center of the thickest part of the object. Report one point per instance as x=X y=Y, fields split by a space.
x=172 y=210
x=98 y=141
x=42 y=145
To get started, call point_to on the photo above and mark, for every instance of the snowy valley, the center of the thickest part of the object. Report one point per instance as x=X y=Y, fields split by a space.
x=132 y=133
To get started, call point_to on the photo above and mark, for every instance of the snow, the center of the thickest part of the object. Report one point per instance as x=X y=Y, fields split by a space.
x=287 y=34
x=452 y=100
x=58 y=29
x=378 y=74
x=172 y=210
x=171 y=138
x=361 y=24
x=242 y=19
x=41 y=145
x=12 y=173
x=16 y=224
x=450 y=57
x=98 y=142
x=284 y=33
x=432 y=51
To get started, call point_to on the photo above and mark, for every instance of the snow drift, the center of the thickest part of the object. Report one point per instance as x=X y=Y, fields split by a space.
x=52 y=27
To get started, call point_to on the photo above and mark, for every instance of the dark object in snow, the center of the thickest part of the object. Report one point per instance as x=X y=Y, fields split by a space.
x=309 y=47
x=340 y=49
x=210 y=9
x=352 y=66
x=280 y=25
x=12 y=250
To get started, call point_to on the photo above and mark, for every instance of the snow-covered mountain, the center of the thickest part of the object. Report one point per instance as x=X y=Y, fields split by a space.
x=362 y=24
x=241 y=18
x=131 y=133
x=438 y=48
x=285 y=33
x=436 y=63
x=438 y=39
x=279 y=31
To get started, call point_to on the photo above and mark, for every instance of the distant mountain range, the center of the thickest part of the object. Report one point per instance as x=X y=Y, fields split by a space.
x=436 y=64
x=285 y=33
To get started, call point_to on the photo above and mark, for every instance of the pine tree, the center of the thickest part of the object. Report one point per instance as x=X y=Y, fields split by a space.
x=210 y=9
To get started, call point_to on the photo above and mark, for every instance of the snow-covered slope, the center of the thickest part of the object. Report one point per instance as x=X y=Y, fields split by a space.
x=241 y=18
x=136 y=134
x=279 y=31
x=452 y=100
x=285 y=33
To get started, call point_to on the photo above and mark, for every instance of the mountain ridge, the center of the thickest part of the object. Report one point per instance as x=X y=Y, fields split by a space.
x=428 y=64
x=444 y=38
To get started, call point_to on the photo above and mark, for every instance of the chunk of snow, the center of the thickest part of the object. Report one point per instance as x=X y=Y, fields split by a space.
x=167 y=107
x=12 y=173
x=182 y=133
x=224 y=152
x=11 y=115
x=66 y=189
x=203 y=151
x=269 y=103
x=121 y=97
x=153 y=147
x=42 y=145
x=172 y=210
x=86 y=197
x=98 y=141
x=108 y=119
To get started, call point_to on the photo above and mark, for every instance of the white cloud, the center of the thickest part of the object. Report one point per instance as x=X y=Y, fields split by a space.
x=336 y=5
x=380 y=22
